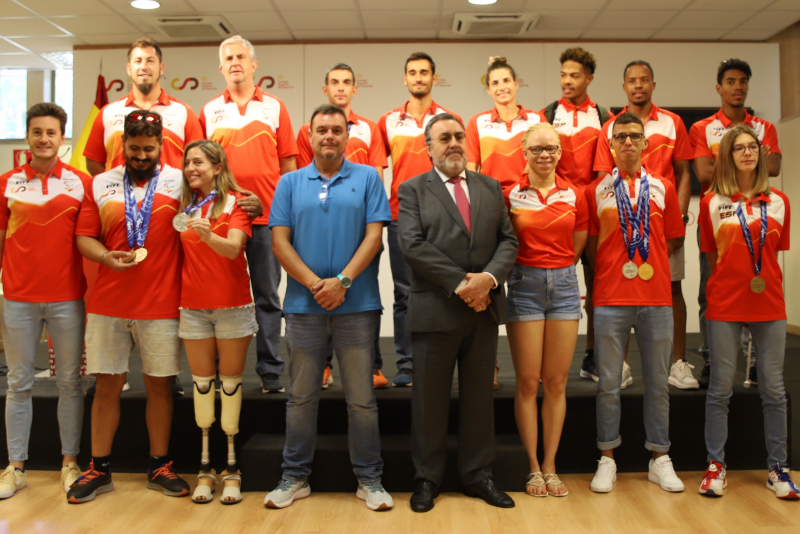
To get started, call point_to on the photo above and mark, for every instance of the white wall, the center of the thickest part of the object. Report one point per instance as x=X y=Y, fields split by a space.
x=789 y=132
x=685 y=75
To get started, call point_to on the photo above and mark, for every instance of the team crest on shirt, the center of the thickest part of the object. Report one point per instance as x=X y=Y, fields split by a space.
x=168 y=118
x=559 y=124
x=265 y=113
x=23 y=189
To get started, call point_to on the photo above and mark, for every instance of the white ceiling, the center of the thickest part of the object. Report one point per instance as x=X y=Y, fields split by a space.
x=29 y=28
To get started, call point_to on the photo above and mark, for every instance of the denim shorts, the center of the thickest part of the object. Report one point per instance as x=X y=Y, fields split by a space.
x=221 y=323
x=110 y=342
x=536 y=294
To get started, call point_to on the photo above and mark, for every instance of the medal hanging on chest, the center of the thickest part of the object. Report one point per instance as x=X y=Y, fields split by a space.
x=639 y=238
x=757 y=284
x=137 y=220
x=181 y=221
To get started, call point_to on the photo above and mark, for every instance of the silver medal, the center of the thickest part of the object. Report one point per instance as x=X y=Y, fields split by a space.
x=630 y=270
x=181 y=222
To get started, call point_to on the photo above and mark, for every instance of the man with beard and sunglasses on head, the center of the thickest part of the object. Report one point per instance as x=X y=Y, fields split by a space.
x=180 y=127
x=125 y=225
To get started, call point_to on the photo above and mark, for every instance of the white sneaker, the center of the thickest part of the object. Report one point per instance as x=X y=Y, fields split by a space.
x=680 y=375
x=11 y=481
x=375 y=496
x=603 y=481
x=69 y=474
x=781 y=483
x=286 y=492
x=627 y=379
x=662 y=473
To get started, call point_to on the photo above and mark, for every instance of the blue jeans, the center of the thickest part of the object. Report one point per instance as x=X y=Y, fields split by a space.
x=653 y=326
x=307 y=338
x=401 y=274
x=22 y=330
x=705 y=274
x=265 y=276
x=769 y=337
x=378 y=358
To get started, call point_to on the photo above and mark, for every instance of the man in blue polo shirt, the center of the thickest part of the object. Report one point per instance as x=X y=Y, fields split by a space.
x=327 y=224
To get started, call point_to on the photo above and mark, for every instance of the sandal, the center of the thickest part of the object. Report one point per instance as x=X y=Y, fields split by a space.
x=551 y=479
x=535 y=480
x=206 y=492
x=234 y=492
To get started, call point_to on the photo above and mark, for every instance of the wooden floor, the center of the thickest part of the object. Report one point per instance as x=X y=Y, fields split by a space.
x=635 y=506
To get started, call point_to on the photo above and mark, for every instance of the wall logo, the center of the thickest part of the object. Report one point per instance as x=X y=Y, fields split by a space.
x=119 y=84
x=266 y=82
x=193 y=84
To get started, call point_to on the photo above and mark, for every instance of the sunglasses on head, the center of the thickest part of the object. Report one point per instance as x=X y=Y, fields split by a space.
x=147 y=116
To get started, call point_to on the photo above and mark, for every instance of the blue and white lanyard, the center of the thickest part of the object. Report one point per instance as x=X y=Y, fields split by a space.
x=194 y=207
x=748 y=239
x=137 y=221
x=639 y=239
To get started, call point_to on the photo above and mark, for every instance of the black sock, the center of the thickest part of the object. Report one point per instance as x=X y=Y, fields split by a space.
x=102 y=463
x=589 y=353
x=158 y=461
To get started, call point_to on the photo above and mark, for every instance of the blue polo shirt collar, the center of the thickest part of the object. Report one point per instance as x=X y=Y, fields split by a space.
x=344 y=171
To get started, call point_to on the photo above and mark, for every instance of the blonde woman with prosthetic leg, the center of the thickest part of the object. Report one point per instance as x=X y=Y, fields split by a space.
x=544 y=302
x=217 y=311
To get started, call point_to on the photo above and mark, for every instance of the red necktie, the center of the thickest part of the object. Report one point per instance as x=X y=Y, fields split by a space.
x=462 y=202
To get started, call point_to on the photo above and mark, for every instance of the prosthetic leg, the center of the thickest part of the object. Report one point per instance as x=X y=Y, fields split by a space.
x=203 y=395
x=231 y=396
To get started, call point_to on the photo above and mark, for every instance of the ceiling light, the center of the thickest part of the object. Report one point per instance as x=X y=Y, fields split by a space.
x=482 y=2
x=145 y=4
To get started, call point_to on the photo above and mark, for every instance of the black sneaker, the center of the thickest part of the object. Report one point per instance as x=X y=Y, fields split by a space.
x=705 y=373
x=165 y=479
x=177 y=388
x=89 y=485
x=589 y=367
x=271 y=384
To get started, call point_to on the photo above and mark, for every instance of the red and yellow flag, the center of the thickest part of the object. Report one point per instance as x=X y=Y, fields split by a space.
x=101 y=99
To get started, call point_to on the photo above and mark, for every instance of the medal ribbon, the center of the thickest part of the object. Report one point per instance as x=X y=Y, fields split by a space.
x=194 y=207
x=749 y=238
x=137 y=221
x=638 y=239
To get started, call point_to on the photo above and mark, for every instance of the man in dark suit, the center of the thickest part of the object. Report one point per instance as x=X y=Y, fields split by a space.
x=458 y=239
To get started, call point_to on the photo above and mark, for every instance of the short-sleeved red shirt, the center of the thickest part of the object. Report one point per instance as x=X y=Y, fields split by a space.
x=728 y=292
x=404 y=138
x=41 y=262
x=706 y=135
x=579 y=129
x=668 y=143
x=611 y=288
x=364 y=145
x=255 y=137
x=496 y=145
x=544 y=224
x=152 y=289
x=209 y=280
x=179 y=128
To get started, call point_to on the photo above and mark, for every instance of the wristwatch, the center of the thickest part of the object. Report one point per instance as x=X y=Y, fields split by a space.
x=685 y=220
x=346 y=282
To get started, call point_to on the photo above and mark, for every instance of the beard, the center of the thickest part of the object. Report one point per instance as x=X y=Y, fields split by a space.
x=420 y=91
x=144 y=88
x=451 y=166
x=144 y=174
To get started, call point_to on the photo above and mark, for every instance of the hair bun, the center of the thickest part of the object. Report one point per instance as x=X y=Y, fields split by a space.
x=496 y=59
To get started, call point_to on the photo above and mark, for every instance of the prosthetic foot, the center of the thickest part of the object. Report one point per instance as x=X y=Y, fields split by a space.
x=231 y=396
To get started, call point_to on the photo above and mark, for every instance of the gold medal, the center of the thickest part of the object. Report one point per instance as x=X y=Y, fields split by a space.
x=139 y=254
x=758 y=285
x=646 y=271
x=629 y=270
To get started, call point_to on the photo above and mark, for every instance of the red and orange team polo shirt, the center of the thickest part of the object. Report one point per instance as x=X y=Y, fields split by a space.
x=611 y=287
x=707 y=134
x=212 y=281
x=729 y=295
x=180 y=127
x=364 y=146
x=404 y=140
x=152 y=289
x=544 y=224
x=497 y=145
x=668 y=142
x=255 y=137
x=579 y=128
x=41 y=262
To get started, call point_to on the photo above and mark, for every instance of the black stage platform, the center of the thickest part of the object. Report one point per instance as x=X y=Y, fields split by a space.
x=260 y=440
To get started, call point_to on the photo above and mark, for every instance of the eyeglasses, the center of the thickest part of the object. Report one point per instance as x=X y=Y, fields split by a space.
x=739 y=149
x=323 y=195
x=147 y=116
x=536 y=150
x=622 y=136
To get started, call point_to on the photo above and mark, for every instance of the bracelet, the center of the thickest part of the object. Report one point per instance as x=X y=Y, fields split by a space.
x=102 y=258
x=315 y=283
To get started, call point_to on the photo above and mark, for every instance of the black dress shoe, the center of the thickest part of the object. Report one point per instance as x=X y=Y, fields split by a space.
x=487 y=490
x=422 y=500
